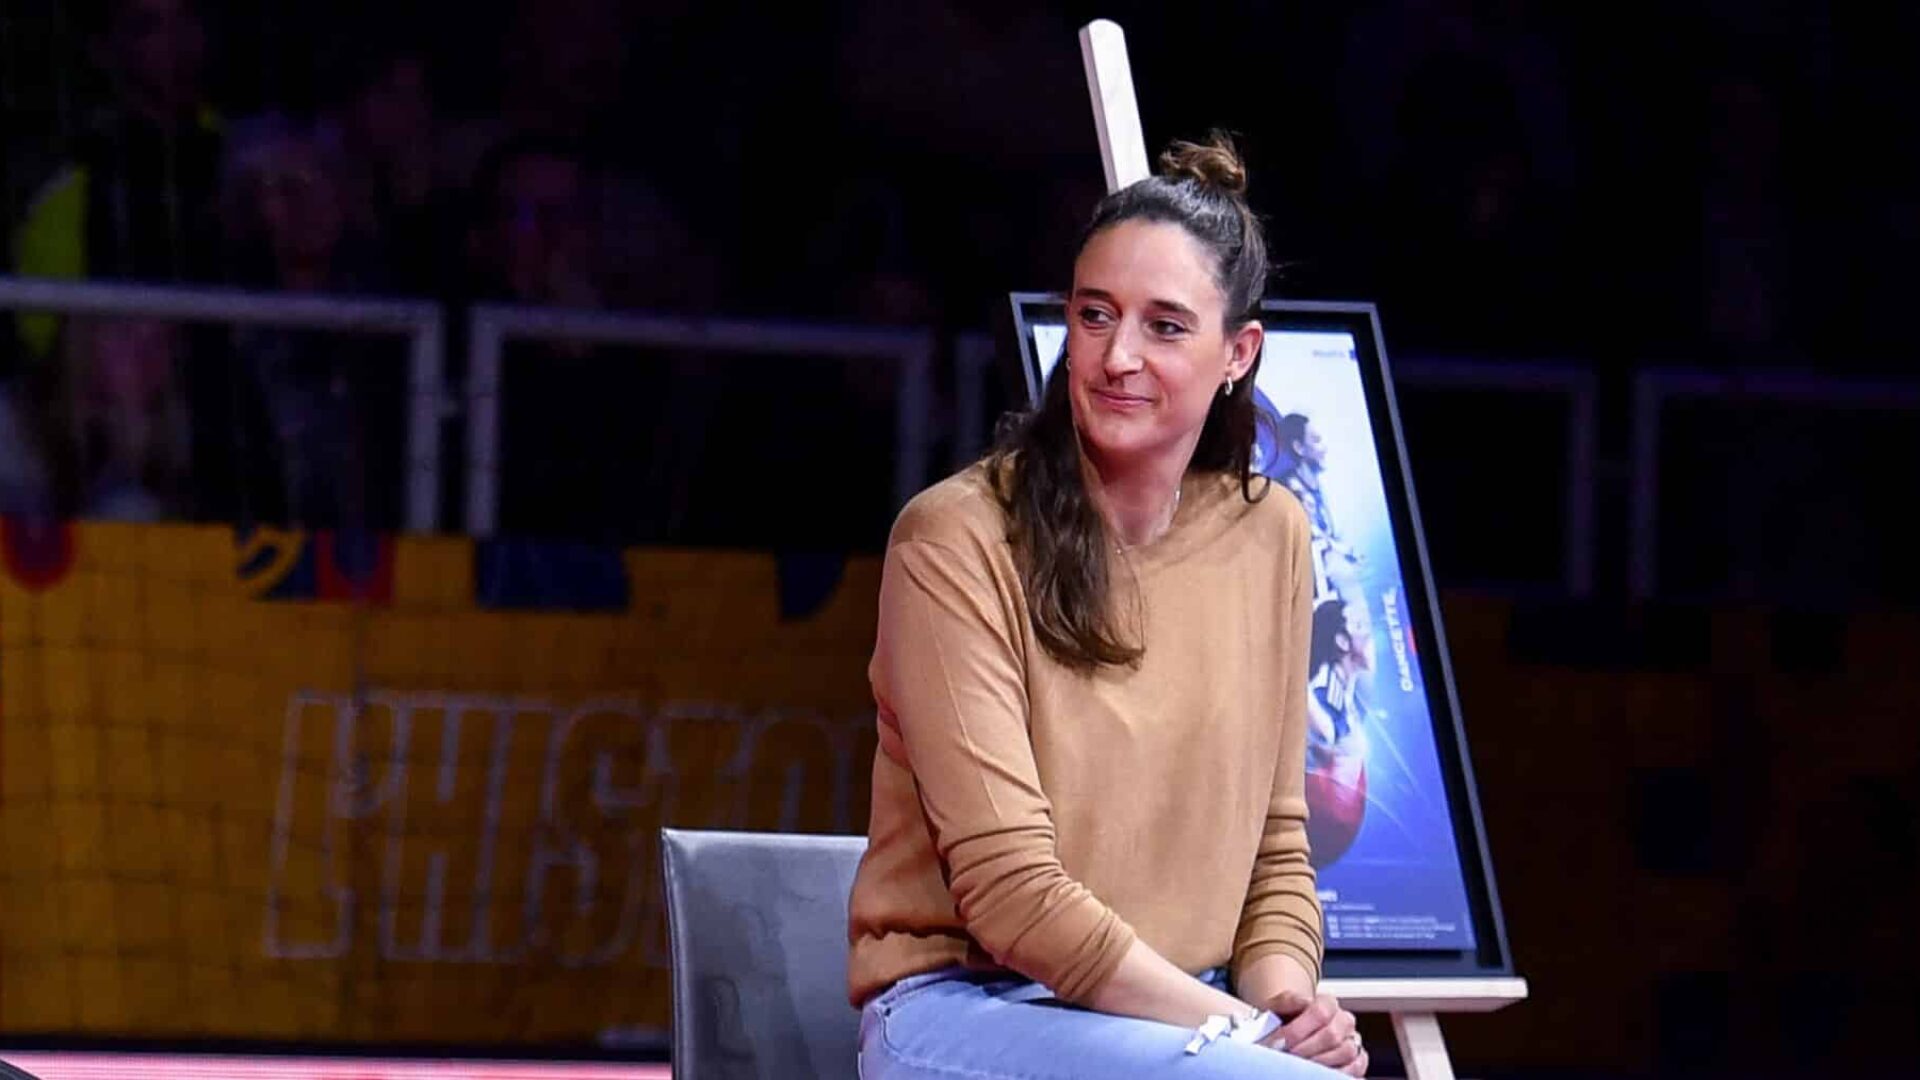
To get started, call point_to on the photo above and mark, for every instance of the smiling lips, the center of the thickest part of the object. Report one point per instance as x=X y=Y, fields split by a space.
x=1124 y=402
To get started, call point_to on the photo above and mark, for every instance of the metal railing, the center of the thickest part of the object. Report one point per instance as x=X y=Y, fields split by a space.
x=910 y=354
x=491 y=326
x=1579 y=387
x=973 y=362
x=419 y=321
x=1655 y=388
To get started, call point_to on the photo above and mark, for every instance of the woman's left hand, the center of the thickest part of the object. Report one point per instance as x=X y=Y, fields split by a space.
x=1319 y=1030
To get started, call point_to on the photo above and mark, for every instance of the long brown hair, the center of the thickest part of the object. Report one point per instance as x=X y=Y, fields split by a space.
x=1060 y=541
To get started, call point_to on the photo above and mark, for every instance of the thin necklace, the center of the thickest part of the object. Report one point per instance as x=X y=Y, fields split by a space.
x=1123 y=548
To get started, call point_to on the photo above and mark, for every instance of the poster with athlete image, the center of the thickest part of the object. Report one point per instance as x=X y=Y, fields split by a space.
x=1381 y=829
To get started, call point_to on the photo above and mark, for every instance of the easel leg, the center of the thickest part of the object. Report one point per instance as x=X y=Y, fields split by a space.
x=1422 y=1047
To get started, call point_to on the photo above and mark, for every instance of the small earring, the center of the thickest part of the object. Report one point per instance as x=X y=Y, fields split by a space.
x=1228 y=392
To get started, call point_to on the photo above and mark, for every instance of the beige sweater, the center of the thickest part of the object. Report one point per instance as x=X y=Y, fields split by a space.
x=1039 y=818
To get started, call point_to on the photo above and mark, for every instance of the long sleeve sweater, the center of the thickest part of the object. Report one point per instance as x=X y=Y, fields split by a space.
x=1036 y=818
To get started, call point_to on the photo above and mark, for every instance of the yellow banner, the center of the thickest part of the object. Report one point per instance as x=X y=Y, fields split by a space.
x=235 y=808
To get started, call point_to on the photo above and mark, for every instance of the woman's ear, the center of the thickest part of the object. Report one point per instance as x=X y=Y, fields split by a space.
x=1243 y=348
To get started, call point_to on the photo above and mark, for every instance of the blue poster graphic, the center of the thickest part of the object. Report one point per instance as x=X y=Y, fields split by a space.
x=1380 y=825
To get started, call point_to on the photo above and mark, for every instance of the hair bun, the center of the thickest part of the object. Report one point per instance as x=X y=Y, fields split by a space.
x=1215 y=163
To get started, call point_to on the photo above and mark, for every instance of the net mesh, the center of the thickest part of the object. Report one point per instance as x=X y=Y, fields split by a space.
x=339 y=785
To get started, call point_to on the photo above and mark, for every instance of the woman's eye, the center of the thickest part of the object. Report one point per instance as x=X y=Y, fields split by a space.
x=1166 y=328
x=1093 y=317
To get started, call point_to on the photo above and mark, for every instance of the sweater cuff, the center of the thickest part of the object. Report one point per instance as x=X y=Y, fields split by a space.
x=1306 y=959
x=1101 y=968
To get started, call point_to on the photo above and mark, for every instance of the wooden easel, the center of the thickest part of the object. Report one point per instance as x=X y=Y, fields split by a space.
x=1414 y=1003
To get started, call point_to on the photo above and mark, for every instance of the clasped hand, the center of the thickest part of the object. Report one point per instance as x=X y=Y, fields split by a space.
x=1318 y=1030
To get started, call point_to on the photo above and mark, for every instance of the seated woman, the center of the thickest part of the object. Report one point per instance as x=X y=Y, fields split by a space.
x=1088 y=852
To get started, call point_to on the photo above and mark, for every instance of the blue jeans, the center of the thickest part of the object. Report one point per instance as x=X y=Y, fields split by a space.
x=959 y=1025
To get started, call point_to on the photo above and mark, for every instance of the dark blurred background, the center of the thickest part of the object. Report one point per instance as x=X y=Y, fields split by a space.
x=1645 y=268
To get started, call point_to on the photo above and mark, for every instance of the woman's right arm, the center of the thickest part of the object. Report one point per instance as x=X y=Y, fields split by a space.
x=950 y=672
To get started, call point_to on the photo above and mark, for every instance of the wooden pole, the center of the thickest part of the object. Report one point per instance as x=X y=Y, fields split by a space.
x=1116 y=112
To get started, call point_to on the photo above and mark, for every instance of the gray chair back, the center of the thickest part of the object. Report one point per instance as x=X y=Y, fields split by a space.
x=757 y=929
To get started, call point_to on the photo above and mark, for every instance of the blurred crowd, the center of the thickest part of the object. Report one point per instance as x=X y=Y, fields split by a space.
x=1488 y=169
x=535 y=152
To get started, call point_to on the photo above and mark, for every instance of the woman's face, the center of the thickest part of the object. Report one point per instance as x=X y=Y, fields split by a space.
x=1146 y=349
x=299 y=205
x=1313 y=449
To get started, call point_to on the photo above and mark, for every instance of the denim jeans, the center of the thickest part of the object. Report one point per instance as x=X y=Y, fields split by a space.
x=959 y=1025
